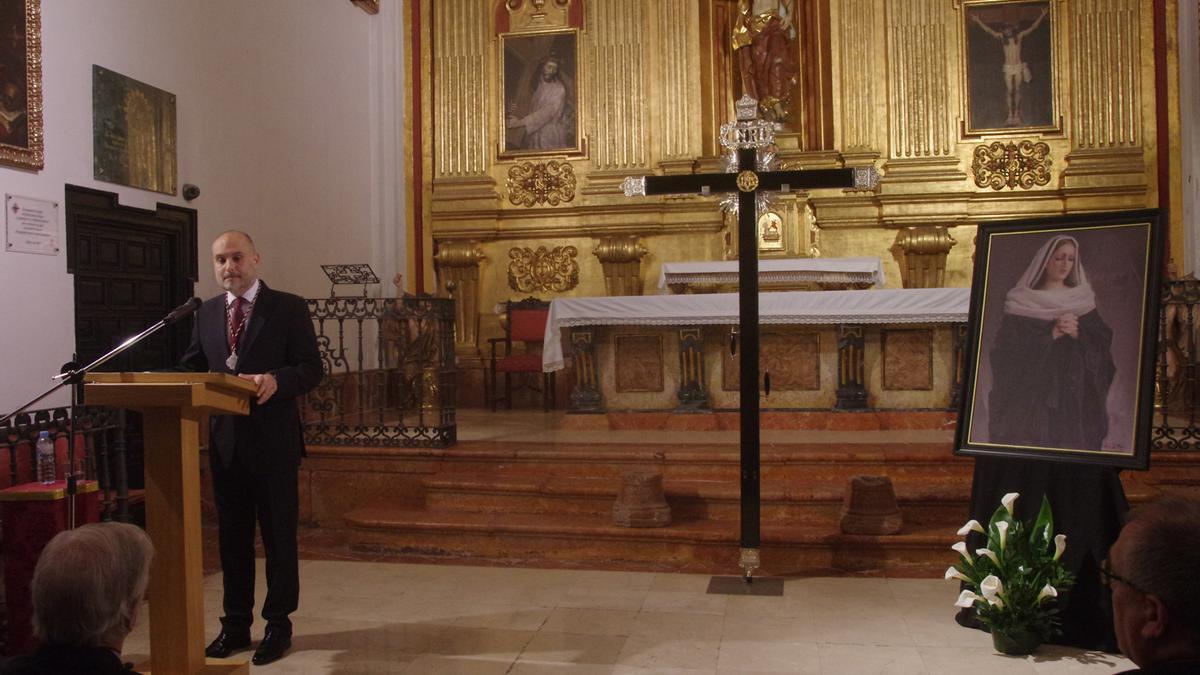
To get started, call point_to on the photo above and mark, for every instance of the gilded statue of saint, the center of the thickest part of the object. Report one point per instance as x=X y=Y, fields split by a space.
x=764 y=46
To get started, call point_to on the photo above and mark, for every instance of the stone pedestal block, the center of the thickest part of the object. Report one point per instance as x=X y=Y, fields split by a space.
x=641 y=502
x=870 y=507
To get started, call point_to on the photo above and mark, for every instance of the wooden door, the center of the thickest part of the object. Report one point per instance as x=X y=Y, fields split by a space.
x=131 y=267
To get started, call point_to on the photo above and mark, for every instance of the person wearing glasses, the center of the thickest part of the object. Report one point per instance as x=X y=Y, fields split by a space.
x=1154 y=572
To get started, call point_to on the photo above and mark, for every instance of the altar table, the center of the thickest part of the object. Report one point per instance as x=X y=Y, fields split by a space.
x=926 y=322
x=860 y=272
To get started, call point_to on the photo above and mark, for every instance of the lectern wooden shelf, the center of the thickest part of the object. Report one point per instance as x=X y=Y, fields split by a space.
x=172 y=407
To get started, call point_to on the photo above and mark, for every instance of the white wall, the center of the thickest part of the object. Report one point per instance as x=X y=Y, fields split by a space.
x=280 y=123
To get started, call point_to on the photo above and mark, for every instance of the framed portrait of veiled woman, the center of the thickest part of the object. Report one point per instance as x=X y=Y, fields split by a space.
x=1062 y=341
x=21 y=142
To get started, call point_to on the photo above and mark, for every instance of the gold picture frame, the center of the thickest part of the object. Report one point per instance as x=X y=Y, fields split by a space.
x=540 y=111
x=133 y=133
x=1010 y=67
x=21 y=141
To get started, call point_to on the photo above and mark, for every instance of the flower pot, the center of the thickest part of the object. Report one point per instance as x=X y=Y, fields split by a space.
x=1017 y=642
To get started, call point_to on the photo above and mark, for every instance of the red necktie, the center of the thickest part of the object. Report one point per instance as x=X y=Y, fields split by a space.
x=236 y=322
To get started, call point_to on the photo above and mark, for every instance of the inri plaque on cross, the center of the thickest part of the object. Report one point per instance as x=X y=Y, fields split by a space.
x=752 y=140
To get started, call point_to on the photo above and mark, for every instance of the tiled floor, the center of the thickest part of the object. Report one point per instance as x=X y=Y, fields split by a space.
x=361 y=617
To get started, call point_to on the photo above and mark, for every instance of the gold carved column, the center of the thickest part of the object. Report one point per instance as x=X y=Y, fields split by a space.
x=925 y=250
x=617 y=47
x=462 y=143
x=921 y=133
x=1106 y=123
x=457 y=265
x=677 y=95
x=621 y=258
x=857 y=87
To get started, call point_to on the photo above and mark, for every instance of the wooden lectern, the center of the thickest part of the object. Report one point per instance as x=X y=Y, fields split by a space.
x=172 y=407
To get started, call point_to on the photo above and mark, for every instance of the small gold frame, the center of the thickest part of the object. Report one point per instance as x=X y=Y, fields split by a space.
x=24 y=149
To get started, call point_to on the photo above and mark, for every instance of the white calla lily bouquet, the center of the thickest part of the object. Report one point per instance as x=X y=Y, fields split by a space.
x=1014 y=582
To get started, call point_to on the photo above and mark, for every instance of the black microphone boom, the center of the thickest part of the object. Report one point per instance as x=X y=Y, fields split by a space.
x=76 y=376
x=182 y=311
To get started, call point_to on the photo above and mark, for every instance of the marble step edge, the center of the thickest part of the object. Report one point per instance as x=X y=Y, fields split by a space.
x=719 y=453
x=596 y=528
x=954 y=490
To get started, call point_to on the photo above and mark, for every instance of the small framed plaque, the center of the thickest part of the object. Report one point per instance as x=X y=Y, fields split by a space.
x=31 y=226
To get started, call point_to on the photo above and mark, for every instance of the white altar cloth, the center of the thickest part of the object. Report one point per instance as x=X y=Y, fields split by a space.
x=864 y=270
x=890 y=306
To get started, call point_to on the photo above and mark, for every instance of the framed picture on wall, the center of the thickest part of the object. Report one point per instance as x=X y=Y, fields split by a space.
x=541 y=93
x=21 y=142
x=1062 y=339
x=1010 y=66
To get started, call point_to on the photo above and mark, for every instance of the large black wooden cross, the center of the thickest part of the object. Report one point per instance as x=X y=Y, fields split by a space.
x=747 y=137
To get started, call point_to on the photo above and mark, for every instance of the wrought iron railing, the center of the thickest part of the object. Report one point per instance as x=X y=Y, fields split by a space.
x=389 y=372
x=1177 y=388
x=99 y=450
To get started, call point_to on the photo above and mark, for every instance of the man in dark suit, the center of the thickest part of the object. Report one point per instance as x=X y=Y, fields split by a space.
x=264 y=336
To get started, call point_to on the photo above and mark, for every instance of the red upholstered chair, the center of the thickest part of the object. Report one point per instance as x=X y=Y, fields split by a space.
x=527 y=324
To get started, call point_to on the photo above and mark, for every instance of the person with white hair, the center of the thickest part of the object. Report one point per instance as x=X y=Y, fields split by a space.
x=87 y=589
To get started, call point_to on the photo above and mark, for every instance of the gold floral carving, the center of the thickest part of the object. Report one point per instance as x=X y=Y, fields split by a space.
x=999 y=165
x=532 y=183
x=543 y=270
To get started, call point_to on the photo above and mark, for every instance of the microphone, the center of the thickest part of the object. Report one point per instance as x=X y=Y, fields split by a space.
x=182 y=311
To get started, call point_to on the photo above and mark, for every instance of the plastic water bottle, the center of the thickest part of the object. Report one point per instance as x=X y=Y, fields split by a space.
x=45 y=458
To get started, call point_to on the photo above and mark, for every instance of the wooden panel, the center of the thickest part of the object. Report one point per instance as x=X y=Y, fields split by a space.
x=135 y=255
x=156 y=257
x=639 y=361
x=108 y=253
x=120 y=293
x=907 y=359
x=89 y=291
x=792 y=358
x=84 y=258
x=153 y=293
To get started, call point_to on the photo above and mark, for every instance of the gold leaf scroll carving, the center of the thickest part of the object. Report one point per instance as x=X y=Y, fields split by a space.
x=532 y=183
x=999 y=165
x=542 y=270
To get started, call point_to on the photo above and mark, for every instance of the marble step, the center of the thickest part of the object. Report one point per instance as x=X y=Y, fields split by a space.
x=810 y=501
x=701 y=546
x=711 y=461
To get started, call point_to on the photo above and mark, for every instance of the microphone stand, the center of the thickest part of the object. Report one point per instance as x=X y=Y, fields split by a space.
x=74 y=377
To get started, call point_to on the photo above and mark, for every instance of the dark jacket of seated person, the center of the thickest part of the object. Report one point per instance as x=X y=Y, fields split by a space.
x=87 y=590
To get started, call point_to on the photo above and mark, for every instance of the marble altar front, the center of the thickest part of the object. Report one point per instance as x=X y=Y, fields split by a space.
x=886 y=349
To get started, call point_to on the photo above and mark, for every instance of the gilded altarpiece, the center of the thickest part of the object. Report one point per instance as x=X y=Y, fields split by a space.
x=880 y=82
